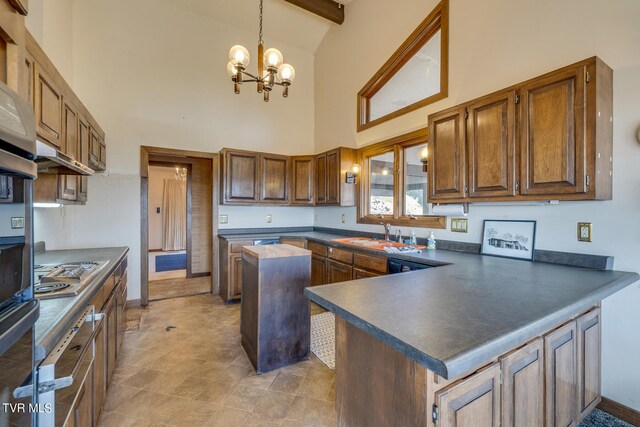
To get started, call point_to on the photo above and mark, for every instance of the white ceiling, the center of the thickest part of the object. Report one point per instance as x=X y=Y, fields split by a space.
x=283 y=22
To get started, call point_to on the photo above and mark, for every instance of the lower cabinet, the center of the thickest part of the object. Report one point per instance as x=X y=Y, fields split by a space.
x=523 y=386
x=338 y=272
x=561 y=377
x=472 y=402
x=230 y=256
x=99 y=369
x=588 y=334
x=235 y=286
x=111 y=323
x=121 y=301
x=82 y=410
x=318 y=270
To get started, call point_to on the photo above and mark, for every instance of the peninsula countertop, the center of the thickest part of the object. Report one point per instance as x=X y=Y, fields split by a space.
x=57 y=315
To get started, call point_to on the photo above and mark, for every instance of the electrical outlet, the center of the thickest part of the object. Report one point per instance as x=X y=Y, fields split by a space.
x=224 y=219
x=17 y=222
x=269 y=218
x=459 y=225
x=585 y=230
x=344 y=218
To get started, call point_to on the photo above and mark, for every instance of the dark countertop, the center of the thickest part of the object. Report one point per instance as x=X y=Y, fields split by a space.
x=468 y=310
x=57 y=315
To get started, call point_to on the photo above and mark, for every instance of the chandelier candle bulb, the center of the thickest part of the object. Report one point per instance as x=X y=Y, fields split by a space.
x=239 y=55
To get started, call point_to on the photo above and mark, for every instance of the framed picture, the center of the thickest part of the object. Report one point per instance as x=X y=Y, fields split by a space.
x=509 y=239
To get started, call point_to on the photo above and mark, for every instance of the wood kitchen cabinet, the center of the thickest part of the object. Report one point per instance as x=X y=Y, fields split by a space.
x=97 y=150
x=99 y=369
x=318 y=270
x=83 y=142
x=588 y=334
x=299 y=243
x=71 y=147
x=81 y=414
x=121 y=301
x=28 y=78
x=363 y=274
x=111 y=325
x=548 y=138
x=12 y=40
x=302 y=180
x=230 y=257
x=48 y=108
x=240 y=183
x=11 y=189
x=473 y=401
x=561 y=376
x=523 y=386
x=491 y=140
x=274 y=179
x=331 y=187
x=338 y=272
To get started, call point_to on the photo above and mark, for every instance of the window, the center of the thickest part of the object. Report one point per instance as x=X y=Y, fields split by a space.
x=416 y=75
x=393 y=188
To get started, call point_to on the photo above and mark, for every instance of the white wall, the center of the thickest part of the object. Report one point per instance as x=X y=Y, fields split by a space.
x=494 y=44
x=153 y=74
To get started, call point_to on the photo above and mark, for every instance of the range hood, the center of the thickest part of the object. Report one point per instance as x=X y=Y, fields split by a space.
x=53 y=162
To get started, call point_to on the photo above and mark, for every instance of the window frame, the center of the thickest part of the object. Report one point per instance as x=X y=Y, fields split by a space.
x=438 y=19
x=396 y=145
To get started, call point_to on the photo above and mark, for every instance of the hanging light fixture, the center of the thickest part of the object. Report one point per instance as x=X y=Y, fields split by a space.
x=271 y=68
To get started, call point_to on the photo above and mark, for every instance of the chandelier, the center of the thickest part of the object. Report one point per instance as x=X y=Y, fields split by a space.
x=271 y=69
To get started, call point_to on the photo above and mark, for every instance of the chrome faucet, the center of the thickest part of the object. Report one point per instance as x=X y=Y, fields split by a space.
x=387 y=230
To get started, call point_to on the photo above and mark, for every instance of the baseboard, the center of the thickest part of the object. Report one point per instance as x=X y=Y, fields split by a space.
x=194 y=275
x=133 y=303
x=620 y=411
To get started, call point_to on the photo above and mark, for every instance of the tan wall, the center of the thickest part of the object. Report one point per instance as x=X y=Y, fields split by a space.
x=157 y=175
x=493 y=44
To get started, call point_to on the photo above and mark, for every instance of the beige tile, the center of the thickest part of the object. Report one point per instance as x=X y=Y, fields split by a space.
x=117 y=395
x=234 y=374
x=257 y=420
x=216 y=392
x=262 y=381
x=113 y=419
x=331 y=397
x=274 y=404
x=286 y=383
x=289 y=423
x=307 y=410
x=195 y=414
x=211 y=369
x=245 y=398
x=191 y=387
x=320 y=372
x=315 y=388
x=229 y=417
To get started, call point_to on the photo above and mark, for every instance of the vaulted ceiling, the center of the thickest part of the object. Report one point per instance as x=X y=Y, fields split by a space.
x=283 y=22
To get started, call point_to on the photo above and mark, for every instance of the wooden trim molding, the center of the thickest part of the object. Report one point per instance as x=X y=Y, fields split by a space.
x=620 y=411
x=327 y=9
x=397 y=145
x=438 y=19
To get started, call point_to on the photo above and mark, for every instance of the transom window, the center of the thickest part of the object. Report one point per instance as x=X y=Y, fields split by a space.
x=416 y=74
x=393 y=187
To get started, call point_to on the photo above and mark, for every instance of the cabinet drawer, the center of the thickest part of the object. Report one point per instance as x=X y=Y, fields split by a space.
x=317 y=248
x=363 y=274
x=300 y=243
x=341 y=255
x=370 y=262
x=236 y=247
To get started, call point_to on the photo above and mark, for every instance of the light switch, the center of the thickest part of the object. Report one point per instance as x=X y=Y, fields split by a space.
x=344 y=218
x=459 y=225
x=17 y=222
x=224 y=219
x=584 y=231
x=269 y=217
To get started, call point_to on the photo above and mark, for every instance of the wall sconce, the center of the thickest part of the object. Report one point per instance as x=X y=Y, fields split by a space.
x=424 y=158
x=352 y=176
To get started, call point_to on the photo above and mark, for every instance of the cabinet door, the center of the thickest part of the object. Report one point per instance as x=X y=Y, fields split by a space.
x=321 y=179
x=48 y=108
x=523 y=386
x=447 y=155
x=94 y=149
x=28 y=77
x=99 y=370
x=103 y=154
x=274 y=182
x=491 y=137
x=6 y=189
x=241 y=177
x=588 y=335
x=302 y=180
x=471 y=402
x=560 y=376
x=82 y=411
x=333 y=177
x=235 y=288
x=112 y=335
x=69 y=183
x=338 y=272
x=552 y=137
x=122 y=311
x=318 y=270
x=83 y=140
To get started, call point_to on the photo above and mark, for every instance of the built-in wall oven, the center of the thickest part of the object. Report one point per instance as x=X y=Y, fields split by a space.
x=18 y=310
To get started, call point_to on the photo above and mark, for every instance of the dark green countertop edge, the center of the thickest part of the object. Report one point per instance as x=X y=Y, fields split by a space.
x=68 y=309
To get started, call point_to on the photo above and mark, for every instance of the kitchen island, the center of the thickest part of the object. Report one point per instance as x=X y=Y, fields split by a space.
x=437 y=345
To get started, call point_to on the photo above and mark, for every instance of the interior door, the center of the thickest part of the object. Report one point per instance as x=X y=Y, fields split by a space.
x=553 y=140
x=491 y=138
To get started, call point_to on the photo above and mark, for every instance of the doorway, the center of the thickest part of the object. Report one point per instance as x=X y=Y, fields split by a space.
x=178 y=200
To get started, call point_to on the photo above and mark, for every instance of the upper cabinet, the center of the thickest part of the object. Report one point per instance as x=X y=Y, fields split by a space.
x=97 y=150
x=302 y=180
x=12 y=40
x=549 y=138
x=240 y=177
x=274 y=182
x=331 y=174
x=48 y=108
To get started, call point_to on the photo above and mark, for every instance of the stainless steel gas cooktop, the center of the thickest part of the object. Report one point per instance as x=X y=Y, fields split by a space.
x=64 y=280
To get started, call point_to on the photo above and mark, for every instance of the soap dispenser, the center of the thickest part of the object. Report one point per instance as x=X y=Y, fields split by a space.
x=431 y=241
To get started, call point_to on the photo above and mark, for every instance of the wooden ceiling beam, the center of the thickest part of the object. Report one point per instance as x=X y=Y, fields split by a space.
x=327 y=9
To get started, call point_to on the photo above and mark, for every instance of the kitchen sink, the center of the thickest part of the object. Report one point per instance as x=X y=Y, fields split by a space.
x=366 y=242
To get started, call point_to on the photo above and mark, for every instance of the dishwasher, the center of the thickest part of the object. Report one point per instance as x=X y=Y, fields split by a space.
x=267 y=241
x=397 y=265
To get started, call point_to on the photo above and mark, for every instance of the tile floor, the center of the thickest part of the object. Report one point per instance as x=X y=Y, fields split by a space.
x=184 y=366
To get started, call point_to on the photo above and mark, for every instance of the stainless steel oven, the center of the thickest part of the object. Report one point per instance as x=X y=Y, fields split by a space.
x=18 y=310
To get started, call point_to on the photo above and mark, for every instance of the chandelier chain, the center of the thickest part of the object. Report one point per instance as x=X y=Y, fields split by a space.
x=260 y=41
